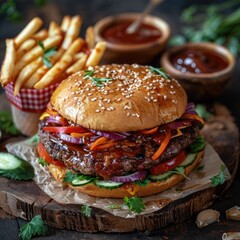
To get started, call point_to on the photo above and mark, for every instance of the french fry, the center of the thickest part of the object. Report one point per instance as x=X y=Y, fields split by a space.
x=96 y=54
x=8 y=63
x=24 y=48
x=67 y=58
x=72 y=32
x=54 y=29
x=90 y=38
x=42 y=70
x=77 y=56
x=35 y=53
x=26 y=72
x=65 y=23
x=28 y=31
x=41 y=35
x=79 y=65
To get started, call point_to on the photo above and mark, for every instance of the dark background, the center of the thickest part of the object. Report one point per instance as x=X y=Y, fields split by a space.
x=92 y=11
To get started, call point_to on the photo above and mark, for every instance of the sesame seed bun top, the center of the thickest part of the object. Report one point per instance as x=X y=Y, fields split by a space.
x=119 y=98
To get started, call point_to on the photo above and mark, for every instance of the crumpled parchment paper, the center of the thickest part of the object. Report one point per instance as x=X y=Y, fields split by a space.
x=196 y=182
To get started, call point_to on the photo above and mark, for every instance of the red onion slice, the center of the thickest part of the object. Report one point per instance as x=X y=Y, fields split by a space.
x=70 y=139
x=190 y=108
x=130 y=178
x=56 y=120
x=178 y=124
x=111 y=135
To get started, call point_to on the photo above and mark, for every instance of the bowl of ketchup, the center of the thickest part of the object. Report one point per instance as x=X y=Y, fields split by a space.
x=142 y=46
x=203 y=69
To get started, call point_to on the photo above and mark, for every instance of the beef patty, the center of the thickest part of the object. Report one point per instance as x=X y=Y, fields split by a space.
x=128 y=155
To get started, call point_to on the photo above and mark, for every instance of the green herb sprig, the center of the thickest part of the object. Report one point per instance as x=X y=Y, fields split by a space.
x=134 y=204
x=217 y=23
x=35 y=227
x=6 y=123
x=219 y=178
x=100 y=82
x=161 y=72
x=42 y=162
x=47 y=54
x=180 y=171
x=86 y=210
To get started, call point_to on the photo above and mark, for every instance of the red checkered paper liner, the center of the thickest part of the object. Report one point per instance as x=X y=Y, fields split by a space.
x=30 y=100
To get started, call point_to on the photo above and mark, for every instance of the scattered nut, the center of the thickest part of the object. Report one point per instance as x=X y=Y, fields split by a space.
x=233 y=213
x=231 y=236
x=207 y=217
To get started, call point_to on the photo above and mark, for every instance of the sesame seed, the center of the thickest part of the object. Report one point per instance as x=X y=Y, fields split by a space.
x=94 y=99
x=97 y=110
x=155 y=100
x=165 y=97
x=128 y=114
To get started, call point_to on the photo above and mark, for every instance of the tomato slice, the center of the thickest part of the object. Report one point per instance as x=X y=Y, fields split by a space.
x=68 y=129
x=44 y=154
x=169 y=164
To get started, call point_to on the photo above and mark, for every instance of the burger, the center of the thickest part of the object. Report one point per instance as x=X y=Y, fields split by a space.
x=120 y=130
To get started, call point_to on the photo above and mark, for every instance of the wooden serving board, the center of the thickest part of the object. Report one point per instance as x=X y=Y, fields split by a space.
x=25 y=199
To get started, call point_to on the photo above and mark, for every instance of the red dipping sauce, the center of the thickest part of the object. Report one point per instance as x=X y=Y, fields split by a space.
x=198 y=61
x=116 y=33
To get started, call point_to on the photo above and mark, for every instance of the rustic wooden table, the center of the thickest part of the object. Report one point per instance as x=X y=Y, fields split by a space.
x=9 y=225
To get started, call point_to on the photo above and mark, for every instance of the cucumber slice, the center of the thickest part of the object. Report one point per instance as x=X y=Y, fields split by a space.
x=108 y=184
x=80 y=182
x=188 y=160
x=198 y=145
x=161 y=177
x=15 y=168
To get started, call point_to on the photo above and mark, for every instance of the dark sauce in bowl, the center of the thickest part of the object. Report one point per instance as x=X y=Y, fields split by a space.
x=198 y=61
x=116 y=33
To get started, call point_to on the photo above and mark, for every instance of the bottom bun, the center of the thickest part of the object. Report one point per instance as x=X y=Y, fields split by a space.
x=128 y=190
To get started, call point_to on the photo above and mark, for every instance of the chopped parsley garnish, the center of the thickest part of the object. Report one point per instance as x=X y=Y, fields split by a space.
x=100 y=82
x=180 y=171
x=69 y=177
x=86 y=210
x=220 y=178
x=47 y=54
x=42 y=162
x=161 y=72
x=35 y=227
x=135 y=204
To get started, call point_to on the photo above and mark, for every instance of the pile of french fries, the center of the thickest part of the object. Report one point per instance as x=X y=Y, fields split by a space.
x=24 y=58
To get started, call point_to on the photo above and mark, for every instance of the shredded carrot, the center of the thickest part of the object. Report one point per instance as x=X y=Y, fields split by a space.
x=99 y=141
x=106 y=145
x=86 y=134
x=150 y=131
x=163 y=145
x=193 y=116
